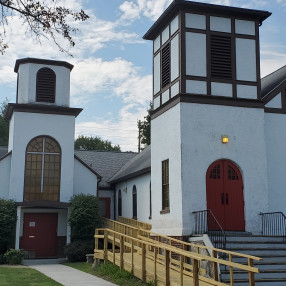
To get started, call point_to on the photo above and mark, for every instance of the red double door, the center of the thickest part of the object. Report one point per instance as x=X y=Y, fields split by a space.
x=225 y=195
x=40 y=234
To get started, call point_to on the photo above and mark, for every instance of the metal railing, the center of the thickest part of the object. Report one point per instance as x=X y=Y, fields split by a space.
x=274 y=224
x=206 y=223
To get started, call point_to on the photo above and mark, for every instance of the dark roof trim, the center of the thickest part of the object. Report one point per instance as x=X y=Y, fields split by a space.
x=88 y=167
x=43 y=204
x=6 y=155
x=203 y=8
x=41 y=61
x=132 y=175
x=111 y=188
x=207 y=99
x=41 y=108
x=271 y=94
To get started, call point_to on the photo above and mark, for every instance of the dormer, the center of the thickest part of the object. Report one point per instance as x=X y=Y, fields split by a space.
x=206 y=53
x=43 y=82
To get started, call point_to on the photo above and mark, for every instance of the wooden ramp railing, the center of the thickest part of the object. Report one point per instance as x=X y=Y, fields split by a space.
x=151 y=260
x=135 y=223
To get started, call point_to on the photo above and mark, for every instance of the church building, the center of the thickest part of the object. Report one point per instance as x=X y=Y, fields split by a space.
x=217 y=136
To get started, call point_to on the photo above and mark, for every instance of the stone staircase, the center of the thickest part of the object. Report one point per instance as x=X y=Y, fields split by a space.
x=271 y=249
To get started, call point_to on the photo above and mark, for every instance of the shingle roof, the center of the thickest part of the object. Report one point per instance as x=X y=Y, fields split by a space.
x=271 y=81
x=141 y=164
x=105 y=163
x=3 y=151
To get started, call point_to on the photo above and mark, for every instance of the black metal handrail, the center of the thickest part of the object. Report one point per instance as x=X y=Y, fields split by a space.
x=206 y=223
x=274 y=224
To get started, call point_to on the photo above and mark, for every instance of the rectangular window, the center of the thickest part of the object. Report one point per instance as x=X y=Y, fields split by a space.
x=165 y=185
x=221 y=57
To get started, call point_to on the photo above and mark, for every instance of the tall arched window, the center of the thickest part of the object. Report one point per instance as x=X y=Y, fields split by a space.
x=134 y=202
x=46 y=85
x=42 y=170
x=119 y=203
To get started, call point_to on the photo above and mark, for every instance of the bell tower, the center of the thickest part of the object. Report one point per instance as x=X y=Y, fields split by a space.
x=206 y=84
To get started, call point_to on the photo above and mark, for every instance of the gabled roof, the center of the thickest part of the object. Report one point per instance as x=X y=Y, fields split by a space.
x=3 y=151
x=139 y=165
x=273 y=80
x=105 y=163
x=204 y=8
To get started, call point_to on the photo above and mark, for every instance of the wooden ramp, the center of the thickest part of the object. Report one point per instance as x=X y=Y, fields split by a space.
x=134 y=250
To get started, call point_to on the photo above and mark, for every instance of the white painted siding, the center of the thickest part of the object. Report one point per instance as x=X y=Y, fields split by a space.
x=165 y=35
x=196 y=54
x=275 y=102
x=5 y=166
x=174 y=58
x=157 y=43
x=175 y=89
x=246 y=91
x=245 y=59
x=195 y=21
x=165 y=96
x=221 y=89
x=84 y=181
x=174 y=25
x=156 y=102
x=220 y=24
x=245 y=27
x=157 y=73
x=201 y=146
x=26 y=126
x=27 y=84
x=196 y=86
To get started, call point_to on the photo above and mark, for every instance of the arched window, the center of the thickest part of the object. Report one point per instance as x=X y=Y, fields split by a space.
x=134 y=202
x=46 y=85
x=119 y=203
x=42 y=170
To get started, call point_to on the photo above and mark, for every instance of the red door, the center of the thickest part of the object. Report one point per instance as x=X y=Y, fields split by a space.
x=40 y=233
x=225 y=195
x=104 y=206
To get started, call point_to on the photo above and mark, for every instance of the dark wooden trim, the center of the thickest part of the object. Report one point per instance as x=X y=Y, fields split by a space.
x=274 y=110
x=233 y=54
x=257 y=44
x=41 y=108
x=207 y=99
x=195 y=7
x=43 y=204
x=41 y=61
x=88 y=167
x=279 y=88
x=6 y=155
x=165 y=211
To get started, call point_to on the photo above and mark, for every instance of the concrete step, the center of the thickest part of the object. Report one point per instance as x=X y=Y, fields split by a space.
x=267 y=274
x=260 y=252
x=263 y=266
x=266 y=259
x=252 y=245
x=260 y=282
x=255 y=238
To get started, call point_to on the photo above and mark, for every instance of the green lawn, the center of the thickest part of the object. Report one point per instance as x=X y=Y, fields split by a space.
x=24 y=277
x=110 y=272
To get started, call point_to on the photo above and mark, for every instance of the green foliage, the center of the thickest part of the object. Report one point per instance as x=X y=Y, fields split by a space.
x=14 y=256
x=77 y=250
x=145 y=128
x=2 y=259
x=8 y=219
x=94 y=143
x=84 y=217
x=4 y=124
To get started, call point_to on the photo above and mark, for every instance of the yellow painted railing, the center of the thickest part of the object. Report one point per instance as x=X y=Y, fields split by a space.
x=135 y=223
x=152 y=260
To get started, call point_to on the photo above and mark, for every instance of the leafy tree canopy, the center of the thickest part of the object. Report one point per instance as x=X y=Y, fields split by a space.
x=145 y=128
x=94 y=143
x=44 y=18
x=4 y=124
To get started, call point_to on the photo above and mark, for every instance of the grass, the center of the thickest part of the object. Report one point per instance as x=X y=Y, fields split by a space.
x=110 y=272
x=24 y=277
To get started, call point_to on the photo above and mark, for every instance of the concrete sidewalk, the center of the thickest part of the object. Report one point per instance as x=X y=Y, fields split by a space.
x=65 y=275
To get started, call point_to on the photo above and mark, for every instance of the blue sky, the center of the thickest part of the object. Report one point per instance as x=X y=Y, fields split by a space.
x=112 y=77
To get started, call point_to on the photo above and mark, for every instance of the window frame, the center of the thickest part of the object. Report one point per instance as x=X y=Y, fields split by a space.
x=165 y=187
x=134 y=202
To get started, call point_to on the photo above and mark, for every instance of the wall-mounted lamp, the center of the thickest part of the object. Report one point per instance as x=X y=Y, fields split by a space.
x=224 y=139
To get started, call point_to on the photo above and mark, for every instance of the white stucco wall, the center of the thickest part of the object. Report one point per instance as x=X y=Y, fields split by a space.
x=26 y=126
x=84 y=181
x=276 y=158
x=142 y=184
x=201 y=129
x=5 y=167
x=27 y=83
x=165 y=142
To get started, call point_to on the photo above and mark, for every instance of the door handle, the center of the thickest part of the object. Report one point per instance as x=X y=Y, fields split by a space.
x=226 y=198
x=222 y=198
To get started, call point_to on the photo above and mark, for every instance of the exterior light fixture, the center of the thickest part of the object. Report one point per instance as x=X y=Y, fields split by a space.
x=224 y=139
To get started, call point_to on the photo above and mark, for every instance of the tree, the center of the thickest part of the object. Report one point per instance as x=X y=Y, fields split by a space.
x=94 y=143
x=45 y=19
x=145 y=128
x=4 y=124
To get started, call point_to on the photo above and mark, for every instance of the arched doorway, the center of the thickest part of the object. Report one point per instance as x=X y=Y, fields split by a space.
x=225 y=194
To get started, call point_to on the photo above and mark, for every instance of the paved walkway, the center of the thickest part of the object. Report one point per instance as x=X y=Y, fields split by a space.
x=65 y=275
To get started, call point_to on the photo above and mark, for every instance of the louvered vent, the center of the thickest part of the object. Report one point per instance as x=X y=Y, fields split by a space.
x=166 y=65
x=46 y=85
x=221 y=57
